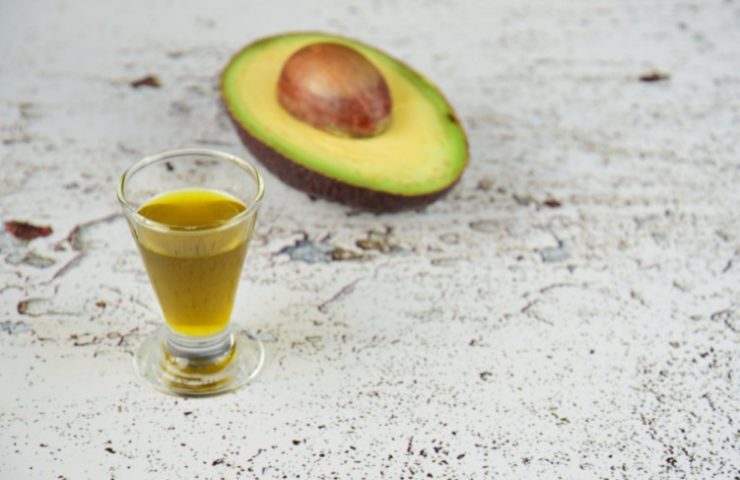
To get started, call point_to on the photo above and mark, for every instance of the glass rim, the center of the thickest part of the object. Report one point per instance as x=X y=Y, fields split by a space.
x=252 y=205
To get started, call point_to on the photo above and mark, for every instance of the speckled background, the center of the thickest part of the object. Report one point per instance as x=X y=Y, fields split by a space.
x=571 y=310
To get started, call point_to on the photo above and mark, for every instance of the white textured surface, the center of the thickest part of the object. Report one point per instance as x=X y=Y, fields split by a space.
x=498 y=338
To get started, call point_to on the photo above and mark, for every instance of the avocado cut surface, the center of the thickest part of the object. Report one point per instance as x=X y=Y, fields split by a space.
x=420 y=156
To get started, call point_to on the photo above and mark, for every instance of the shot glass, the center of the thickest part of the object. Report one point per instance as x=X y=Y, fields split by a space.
x=192 y=213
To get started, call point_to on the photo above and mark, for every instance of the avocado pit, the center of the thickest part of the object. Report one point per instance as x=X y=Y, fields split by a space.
x=335 y=89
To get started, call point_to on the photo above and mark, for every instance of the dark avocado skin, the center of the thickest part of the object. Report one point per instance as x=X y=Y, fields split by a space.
x=327 y=188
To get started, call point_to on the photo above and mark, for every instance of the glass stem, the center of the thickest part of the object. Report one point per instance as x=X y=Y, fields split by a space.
x=199 y=348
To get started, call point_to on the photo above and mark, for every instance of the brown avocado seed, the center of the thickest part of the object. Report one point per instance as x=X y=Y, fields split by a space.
x=336 y=89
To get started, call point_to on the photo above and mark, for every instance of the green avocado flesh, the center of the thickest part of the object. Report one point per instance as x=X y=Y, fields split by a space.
x=422 y=152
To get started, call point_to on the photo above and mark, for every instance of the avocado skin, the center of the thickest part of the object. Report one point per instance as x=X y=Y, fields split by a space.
x=327 y=188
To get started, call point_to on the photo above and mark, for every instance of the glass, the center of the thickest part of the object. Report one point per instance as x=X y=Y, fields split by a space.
x=192 y=213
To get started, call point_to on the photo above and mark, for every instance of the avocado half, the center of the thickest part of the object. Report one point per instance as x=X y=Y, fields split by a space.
x=416 y=160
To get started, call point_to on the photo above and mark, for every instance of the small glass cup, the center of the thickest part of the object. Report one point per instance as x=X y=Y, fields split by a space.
x=195 y=270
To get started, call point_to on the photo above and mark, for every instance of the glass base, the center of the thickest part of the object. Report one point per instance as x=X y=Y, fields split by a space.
x=196 y=368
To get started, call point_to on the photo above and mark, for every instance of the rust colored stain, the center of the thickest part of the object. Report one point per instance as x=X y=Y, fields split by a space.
x=148 y=81
x=654 y=76
x=27 y=231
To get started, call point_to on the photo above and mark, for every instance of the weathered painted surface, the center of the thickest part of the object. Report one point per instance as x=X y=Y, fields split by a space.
x=570 y=310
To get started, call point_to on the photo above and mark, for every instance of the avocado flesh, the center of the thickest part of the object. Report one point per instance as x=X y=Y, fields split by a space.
x=418 y=157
